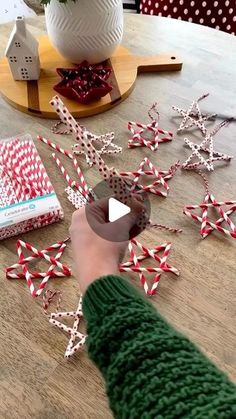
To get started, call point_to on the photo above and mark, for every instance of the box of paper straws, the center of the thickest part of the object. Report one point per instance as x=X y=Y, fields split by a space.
x=27 y=198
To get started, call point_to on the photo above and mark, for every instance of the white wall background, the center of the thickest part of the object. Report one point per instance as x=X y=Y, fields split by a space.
x=10 y=9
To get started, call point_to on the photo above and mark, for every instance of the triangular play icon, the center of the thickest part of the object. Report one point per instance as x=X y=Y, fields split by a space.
x=116 y=209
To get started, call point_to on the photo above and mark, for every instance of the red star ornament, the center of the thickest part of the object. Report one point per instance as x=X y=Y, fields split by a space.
x=23 y=262
x=208 y=226
x=146 y=168
x=133 y=264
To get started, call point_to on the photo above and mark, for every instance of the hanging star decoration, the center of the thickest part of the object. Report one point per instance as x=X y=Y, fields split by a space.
x=142 y=132
x=193 y=116
x=134 y=265
x=84 y=83
x=207 y=226
x=146 y=168
x=20 y=269
x=77 y=339
x=102 y=143
x=207 y=147
x=109 y=174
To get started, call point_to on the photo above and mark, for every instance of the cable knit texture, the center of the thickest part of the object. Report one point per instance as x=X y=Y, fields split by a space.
x=150 y=369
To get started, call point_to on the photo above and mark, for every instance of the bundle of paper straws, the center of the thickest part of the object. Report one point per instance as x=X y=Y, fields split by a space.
x=22 y=178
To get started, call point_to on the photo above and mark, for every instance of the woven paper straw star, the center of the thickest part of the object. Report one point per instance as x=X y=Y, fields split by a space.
x=104 y=142
x=208 y=162
x=206 y=146
x=193 y=116
x=23 y=261
x=104 y=145
x=148 y=135
x=146 y=168
x=133 y=264
x=207 y=226
x=110 y=175
x=77 y=339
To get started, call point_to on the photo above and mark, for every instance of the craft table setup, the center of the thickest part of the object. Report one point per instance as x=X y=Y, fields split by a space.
x=36 y=380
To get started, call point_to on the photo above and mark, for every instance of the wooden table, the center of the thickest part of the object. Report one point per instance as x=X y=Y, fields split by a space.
x=35 y=380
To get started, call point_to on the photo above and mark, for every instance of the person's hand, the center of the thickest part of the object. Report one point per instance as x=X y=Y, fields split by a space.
x=93 y=255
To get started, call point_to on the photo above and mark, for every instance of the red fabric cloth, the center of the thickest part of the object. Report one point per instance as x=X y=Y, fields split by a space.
x=219 y=14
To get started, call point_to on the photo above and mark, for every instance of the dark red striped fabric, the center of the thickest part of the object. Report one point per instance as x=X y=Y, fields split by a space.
x=220 y=14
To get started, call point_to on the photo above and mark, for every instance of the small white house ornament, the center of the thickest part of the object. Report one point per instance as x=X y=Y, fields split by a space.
x=22 y=53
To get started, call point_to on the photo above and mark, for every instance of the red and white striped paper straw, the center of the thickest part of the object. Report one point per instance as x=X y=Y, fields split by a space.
x=42 y=285
x=64 y=172
x=23 y=260
x=133 y=265
x=81 y=185
x=55 y=147
x=206 y=225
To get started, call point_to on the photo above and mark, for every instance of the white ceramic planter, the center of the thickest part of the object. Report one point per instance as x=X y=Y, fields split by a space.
x=86 y=29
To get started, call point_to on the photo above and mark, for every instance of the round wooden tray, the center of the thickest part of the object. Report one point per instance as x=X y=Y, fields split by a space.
x=33 y=96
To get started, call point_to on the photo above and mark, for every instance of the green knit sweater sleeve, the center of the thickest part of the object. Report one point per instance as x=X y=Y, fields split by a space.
x=150 y=369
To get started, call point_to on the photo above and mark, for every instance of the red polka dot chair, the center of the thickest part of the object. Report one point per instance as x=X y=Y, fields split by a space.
x=219 y=14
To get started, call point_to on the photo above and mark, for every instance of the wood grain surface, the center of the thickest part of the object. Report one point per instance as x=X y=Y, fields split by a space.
x=35 y=380
x=33 y=97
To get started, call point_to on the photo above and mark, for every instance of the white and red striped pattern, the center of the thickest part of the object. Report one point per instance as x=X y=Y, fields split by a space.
x=45 y=276
x=77 y=339
x=133 y=264
x=64 y=172
x=48 y=297
x=23 y=177
x=160 y=175
x=54 y=146
x=81 y=184
x=164 y=227
x=23 y=260
x=138 y=138
x=208 y=226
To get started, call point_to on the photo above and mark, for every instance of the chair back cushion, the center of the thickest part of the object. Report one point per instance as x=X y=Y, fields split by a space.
x=220 y=14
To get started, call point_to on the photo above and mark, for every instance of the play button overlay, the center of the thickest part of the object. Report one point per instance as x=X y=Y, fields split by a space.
x=116 y=210
x=122 y=220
